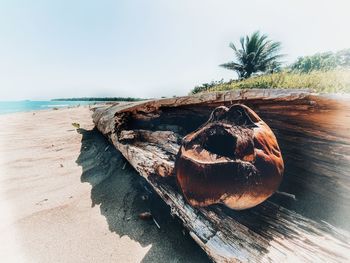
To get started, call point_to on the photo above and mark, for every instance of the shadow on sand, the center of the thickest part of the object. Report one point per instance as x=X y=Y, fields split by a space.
x=118 y=189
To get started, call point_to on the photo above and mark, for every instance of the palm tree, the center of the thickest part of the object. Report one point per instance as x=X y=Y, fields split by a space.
x=257 y=54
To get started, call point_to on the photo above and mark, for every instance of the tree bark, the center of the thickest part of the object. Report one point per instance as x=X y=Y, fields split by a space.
x=307 y=220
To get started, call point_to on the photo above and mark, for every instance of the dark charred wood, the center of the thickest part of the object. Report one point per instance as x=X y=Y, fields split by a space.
x=232 y=159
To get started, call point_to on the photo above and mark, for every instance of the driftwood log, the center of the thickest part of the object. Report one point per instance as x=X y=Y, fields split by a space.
x=307 y=220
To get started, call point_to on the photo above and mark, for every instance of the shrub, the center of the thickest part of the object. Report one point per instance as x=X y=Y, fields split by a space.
x=322 y=61
x=206 y=86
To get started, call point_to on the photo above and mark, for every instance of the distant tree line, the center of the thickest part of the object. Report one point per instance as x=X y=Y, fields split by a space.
x=99 y=99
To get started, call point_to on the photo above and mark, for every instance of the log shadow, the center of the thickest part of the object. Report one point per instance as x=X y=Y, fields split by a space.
x=122 y=195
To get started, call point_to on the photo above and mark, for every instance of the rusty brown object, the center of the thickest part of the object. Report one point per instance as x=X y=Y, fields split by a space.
x=234 y=159
x=145 y=216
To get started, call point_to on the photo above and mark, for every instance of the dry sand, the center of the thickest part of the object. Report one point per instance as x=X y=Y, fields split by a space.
x=66 y=195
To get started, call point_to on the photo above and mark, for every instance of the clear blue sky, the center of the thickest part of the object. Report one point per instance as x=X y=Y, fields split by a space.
x=148 y=48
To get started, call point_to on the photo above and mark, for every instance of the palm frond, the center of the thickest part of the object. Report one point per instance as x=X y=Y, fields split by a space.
x=232 y=65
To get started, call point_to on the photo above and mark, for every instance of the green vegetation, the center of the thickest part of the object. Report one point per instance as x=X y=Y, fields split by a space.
x=322 y=61
x=76 y=125
x=321 y=81
x=258 y=67
x=207 y=86
x=99 y=99
x=257 y=54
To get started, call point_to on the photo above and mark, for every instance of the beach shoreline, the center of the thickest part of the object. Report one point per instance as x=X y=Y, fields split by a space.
x=67 y=195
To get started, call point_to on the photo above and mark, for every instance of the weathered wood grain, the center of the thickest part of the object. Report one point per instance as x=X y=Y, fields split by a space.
x=314 y=135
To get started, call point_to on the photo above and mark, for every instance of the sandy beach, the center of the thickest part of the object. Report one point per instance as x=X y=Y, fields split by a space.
x=66 y=195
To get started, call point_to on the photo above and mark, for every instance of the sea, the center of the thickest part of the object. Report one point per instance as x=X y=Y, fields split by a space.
x=35 y=105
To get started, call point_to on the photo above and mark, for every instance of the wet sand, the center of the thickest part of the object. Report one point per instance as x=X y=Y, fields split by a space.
x=66 y=195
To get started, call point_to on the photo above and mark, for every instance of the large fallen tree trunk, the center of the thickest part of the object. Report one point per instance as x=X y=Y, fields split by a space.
x=307 y=220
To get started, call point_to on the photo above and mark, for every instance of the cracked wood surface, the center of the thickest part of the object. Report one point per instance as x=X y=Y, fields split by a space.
x=313 y=133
